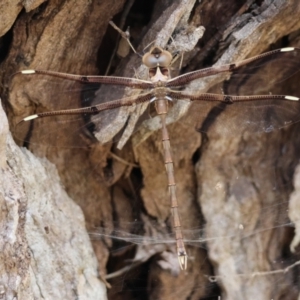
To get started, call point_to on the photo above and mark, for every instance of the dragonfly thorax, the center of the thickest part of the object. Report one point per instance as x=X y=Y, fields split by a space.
x=159 y=75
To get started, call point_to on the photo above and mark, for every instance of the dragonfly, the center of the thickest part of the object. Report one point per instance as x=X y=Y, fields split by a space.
x=244 y=88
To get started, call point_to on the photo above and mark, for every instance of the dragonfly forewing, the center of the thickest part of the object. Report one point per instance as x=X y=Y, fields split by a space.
x=54 y=127
x=259 y=84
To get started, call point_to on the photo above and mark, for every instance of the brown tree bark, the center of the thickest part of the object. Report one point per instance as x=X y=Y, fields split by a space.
x=233 y=189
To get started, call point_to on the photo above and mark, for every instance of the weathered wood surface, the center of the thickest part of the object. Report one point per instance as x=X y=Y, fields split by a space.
x=234 y=190
x=45 y=249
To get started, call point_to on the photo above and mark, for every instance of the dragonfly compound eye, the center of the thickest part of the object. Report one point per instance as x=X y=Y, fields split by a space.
x=157 y=58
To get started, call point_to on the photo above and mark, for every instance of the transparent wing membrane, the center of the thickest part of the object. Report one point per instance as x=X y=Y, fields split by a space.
x=65 y=130
x=261 y=75
x=271 y=75
x=254 y=117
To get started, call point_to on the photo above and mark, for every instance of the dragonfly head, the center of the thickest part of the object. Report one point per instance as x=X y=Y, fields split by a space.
x=158 y=61
x=157 y=57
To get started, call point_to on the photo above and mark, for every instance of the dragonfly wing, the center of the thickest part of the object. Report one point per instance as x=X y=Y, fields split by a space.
x=265 y=116
x=66 y=130
x=265 y=74
x=268 y=68
x=276 y=73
